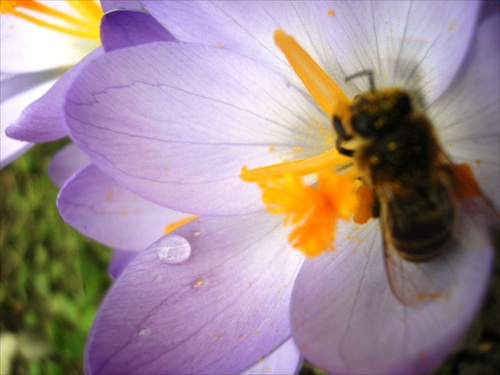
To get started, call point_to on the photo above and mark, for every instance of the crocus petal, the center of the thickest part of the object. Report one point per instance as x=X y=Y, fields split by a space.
x=405 y=43
x=247 y=27
x=176 y=123
x=120 y=260
x=284 y=360
x=488 y=9
x=17 y=92
x=103 y=210
x=120 y=29
x=27 y=47
x=467 y=117
x=108 y=5
x=346 y=320
x=217 y=313
x=43 y=121
x=14 y=85
x=66 y=163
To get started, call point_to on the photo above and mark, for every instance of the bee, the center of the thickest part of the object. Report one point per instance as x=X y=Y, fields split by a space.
x=416 y=190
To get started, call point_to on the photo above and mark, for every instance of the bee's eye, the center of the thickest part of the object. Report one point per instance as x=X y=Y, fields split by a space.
x=362 y=123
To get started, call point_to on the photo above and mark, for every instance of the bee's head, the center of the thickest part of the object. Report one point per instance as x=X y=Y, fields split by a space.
x=378 y=112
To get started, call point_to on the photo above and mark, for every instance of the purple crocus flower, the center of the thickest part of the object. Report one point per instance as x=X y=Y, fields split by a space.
x=176 y=122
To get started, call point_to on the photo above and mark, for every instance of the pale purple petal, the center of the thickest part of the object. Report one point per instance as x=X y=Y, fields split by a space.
x=108 y=5
x=100 y=208
x=66 y=163
x=218 y=312
x=467 y=116
x=43 y=120
x=284 y=360
x=488 y=9
x=247 y=27
x=176 y=123
x=121 y=259
x=346 y=320
x=13 y=85
x=417 y=45
x=17 y=93
x=120 y=29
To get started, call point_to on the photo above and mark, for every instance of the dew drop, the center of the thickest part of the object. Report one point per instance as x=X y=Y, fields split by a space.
x=143 y=332
x=173 y=249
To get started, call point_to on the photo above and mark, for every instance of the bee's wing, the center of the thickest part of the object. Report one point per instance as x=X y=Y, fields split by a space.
x=417 y=283
x=413 y=283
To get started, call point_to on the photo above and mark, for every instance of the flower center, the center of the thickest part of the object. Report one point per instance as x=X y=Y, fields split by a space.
x=84 y=24
x=337 y=193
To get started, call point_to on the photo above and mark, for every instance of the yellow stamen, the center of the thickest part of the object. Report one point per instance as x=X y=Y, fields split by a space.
x=89 y=9
x=179 y=223
x=323 y=89
x=84 y=26
x=300 y=167
x=314 y=211
x=6 y=6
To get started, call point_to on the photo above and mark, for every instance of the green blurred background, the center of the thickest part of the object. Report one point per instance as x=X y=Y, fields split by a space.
x=53 y=278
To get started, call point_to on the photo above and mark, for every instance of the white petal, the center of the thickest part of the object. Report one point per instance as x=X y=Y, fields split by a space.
x=410 y=44
x=27 y=47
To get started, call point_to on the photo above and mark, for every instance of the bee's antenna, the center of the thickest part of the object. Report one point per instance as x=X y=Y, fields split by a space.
x=368 y=73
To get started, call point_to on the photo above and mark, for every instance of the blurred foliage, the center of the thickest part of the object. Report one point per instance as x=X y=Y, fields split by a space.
x=53 y=279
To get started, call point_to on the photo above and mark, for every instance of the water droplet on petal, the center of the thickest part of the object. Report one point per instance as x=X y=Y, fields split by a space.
x=173 y=249
x=143 y=332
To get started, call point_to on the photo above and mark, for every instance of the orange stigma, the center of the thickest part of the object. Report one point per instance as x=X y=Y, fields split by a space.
x=312 y=210
x=84 y=23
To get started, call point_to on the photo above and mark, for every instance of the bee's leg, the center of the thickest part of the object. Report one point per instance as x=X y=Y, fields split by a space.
x=339 y=129
x=341 y=136
x=342 y=150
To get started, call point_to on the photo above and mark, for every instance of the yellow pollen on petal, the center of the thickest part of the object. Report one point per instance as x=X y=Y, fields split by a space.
x=179 y=223
x=84 y=25
x=312 y=210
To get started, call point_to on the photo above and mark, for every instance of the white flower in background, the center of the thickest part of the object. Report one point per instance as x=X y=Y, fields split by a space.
x=40 y=41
